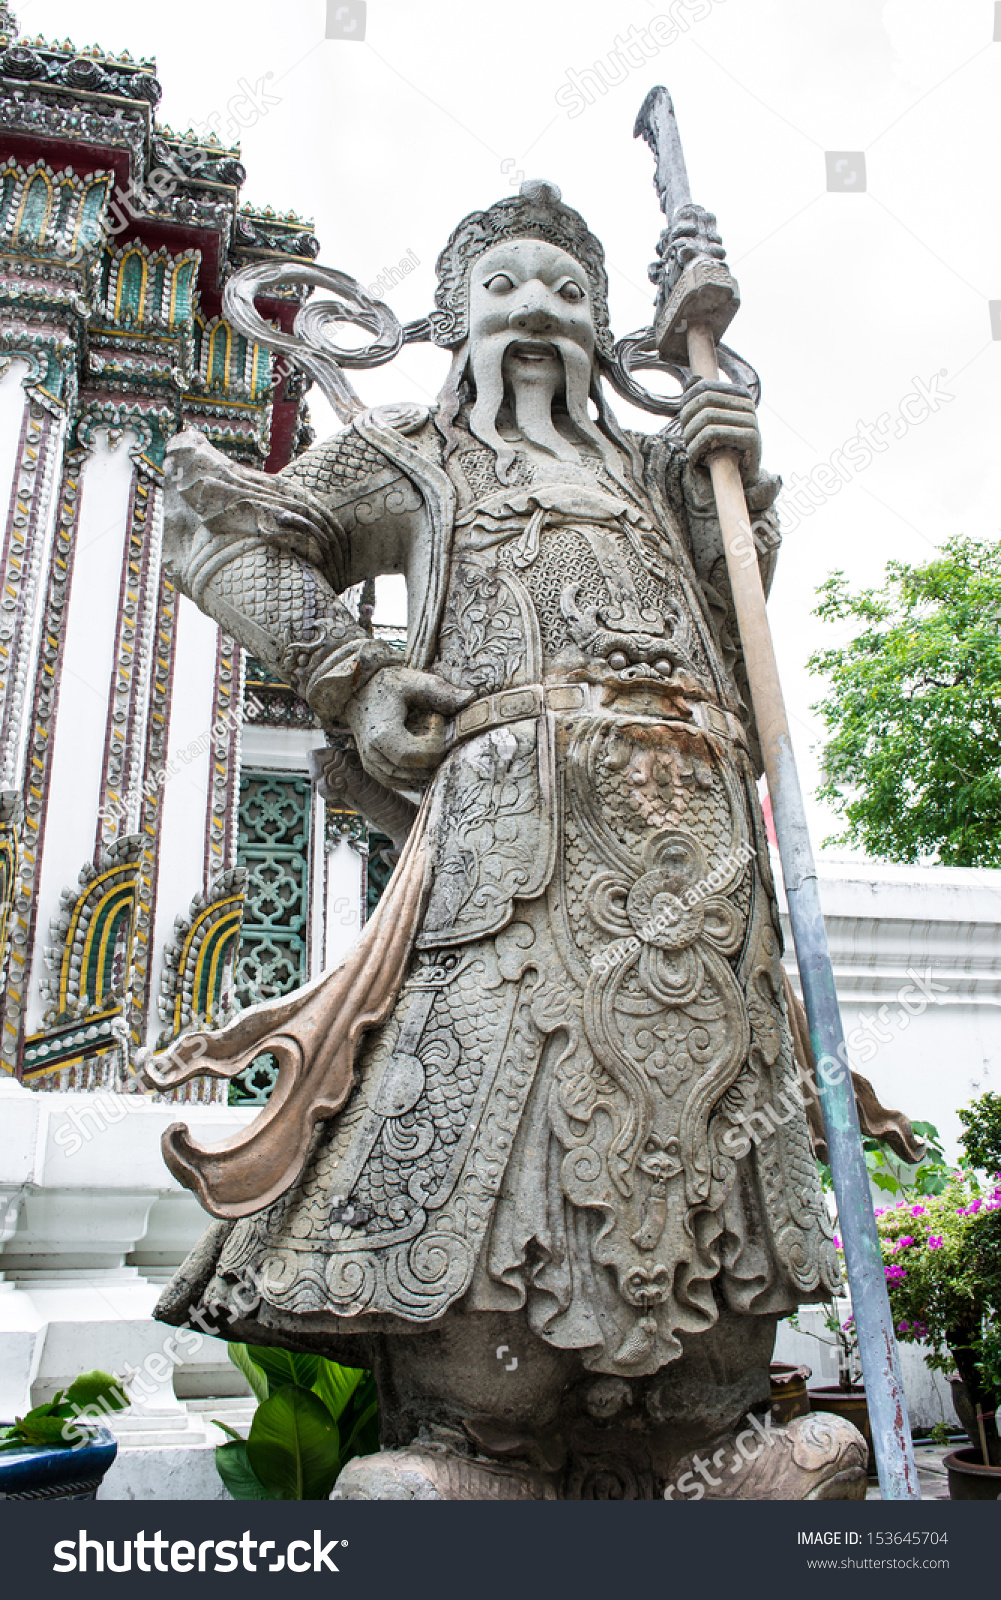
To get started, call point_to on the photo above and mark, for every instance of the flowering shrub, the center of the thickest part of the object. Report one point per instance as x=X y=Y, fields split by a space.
x=941 y=1244
x=942 y=1260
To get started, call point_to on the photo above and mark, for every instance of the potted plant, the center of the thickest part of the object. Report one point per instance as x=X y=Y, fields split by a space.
x=789 y=1397
x=59 y=1450
x=942 y=1259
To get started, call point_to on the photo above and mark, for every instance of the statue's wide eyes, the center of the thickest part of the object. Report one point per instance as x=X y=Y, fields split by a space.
x=572 y=291
x=500 y=283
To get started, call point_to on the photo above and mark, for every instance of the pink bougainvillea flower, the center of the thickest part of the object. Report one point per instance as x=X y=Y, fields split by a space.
x=904 y=1241
x=935 y=1241
x=902 y=1327
x=918 y=1211
x=837 y=1242
x=845 y=1326
x=894 y=1274
x=881 y=1212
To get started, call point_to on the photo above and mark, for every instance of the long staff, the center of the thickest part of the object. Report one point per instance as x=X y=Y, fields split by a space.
x=698 y=300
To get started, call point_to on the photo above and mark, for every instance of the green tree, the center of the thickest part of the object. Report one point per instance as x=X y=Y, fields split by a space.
x=913 y=761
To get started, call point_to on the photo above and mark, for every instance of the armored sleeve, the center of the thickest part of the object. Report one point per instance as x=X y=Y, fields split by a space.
x=266 y=557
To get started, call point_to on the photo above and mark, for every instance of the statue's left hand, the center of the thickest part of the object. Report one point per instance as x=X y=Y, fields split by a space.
x=378 y=714
x=720 y=416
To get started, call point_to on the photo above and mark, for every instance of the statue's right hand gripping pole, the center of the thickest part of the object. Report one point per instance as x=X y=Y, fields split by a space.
x=698 y=297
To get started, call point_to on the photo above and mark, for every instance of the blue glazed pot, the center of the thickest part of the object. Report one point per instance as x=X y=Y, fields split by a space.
x=38 y=1472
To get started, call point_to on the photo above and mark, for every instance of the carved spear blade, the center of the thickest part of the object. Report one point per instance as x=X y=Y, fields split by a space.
x=658 y=125
x=696 y=286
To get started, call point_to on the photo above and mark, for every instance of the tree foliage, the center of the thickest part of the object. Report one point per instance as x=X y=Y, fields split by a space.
x=981 y=1138
x=913 y=761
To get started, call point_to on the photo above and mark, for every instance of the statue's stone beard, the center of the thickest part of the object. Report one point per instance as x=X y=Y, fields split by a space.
x=482 y=361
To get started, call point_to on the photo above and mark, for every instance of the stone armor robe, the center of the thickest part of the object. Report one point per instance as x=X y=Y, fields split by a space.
x=551 y=1118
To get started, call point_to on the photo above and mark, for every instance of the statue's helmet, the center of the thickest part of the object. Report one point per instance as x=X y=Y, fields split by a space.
x=537 y=212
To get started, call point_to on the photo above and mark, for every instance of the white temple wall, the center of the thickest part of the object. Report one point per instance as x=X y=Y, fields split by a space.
x=279 y=749
x=343 y=901
x=917 y=963
x=91 y=1225
x=317 y=888
x=86 y=671
x=181 y=859
x=12 y=405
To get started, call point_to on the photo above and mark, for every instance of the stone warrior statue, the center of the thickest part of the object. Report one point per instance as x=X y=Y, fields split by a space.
x=506 y=1162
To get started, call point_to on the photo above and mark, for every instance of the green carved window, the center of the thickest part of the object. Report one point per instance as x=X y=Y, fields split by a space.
x=382 y=856
x=274 y=847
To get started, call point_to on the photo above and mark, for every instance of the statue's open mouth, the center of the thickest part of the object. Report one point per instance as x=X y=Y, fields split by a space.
x=534 y=350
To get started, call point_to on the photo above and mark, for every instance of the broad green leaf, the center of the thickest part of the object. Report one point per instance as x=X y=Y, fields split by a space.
x=933 y=1185
x=882 y=1181
x=360 y=1423
x=243 y=1361
x=47 y=1431
x=284 y=1366
x=294 y=1445
x=363 y=1439
x=236 y=1472
x=90 y=1388
x=227 y=1429
x=336 y=1384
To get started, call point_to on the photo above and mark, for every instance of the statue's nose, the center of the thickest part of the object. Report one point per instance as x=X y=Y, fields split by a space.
x=532 y=318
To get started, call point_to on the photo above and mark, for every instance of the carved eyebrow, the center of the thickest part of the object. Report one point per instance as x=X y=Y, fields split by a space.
x=509 y=266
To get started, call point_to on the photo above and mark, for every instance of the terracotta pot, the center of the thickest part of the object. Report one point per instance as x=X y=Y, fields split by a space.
x=850 y=1404
x=789 y=1396
x=969 y=1479
x=964 y=1407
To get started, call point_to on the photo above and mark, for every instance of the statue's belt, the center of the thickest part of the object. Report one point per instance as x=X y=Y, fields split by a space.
x=514 y=705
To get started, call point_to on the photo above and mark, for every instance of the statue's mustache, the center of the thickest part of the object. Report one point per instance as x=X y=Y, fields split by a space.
x=492 y=348
x=486 y=367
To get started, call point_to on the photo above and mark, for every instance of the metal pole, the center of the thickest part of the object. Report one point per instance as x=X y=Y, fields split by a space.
x=891 y=1434
x=702 y=299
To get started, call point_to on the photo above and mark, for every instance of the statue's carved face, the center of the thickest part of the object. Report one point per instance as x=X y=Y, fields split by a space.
x=531 y=347
x=530 y=293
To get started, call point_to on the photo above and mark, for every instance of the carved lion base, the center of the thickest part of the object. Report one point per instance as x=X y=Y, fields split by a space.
x=436 y=1473
x=817 y=1457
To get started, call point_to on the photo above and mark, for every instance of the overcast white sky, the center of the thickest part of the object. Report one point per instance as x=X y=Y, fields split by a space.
x=848 y=297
